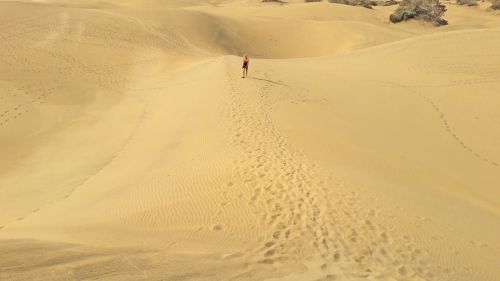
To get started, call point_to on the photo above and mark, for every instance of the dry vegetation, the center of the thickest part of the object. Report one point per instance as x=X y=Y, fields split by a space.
x=427 y=10
x=363 y=3
x=495 y=5
x=274 y=1
x=467 y=2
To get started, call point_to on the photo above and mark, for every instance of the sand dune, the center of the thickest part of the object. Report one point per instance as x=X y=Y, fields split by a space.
x=355 y=150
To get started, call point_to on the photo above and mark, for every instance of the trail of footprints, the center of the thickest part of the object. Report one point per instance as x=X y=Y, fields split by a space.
x=450 y=131
x=306 y=216
x=40 y=63
x=448 y=127
x=11 y=114
x=30 y=94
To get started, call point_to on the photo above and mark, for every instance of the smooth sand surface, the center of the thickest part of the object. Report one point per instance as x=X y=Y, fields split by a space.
x=132 y=149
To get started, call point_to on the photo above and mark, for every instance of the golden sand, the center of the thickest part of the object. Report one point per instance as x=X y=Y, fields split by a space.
x=131 y=149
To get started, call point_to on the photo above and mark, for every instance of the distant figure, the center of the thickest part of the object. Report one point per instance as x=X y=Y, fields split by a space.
x=246 y=61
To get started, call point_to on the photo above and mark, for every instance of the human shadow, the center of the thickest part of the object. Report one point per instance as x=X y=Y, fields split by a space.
x=267 y=80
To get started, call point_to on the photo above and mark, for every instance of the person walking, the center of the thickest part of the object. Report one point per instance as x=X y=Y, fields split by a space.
x=246 y=61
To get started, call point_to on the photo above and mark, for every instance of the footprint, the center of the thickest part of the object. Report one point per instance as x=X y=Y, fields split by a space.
x=269 y=244
x=328 y=277
x=336 y=257
x=269 y=253
x=266 y=261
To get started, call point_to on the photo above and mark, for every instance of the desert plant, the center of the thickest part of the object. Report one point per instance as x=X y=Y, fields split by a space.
x=495 y=5
x=387 y=3
x=363 y=3
x=274 y=1
x=427 y=10
x=467 y=2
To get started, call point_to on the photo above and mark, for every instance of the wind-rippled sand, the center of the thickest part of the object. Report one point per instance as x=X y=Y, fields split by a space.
x=131 y=149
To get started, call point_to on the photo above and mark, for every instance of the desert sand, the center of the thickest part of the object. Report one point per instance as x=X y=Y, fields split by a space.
x=357 y=149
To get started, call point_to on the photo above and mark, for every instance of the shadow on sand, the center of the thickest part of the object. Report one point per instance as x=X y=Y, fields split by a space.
x=266 y=80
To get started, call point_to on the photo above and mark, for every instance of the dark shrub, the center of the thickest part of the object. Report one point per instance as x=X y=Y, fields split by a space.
x=363 y=3
x=388 y=3
x=427 y=10
x=467 y=2
x=495 y=5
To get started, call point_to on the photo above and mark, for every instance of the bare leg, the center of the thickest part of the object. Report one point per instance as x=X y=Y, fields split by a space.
x=243 y=75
